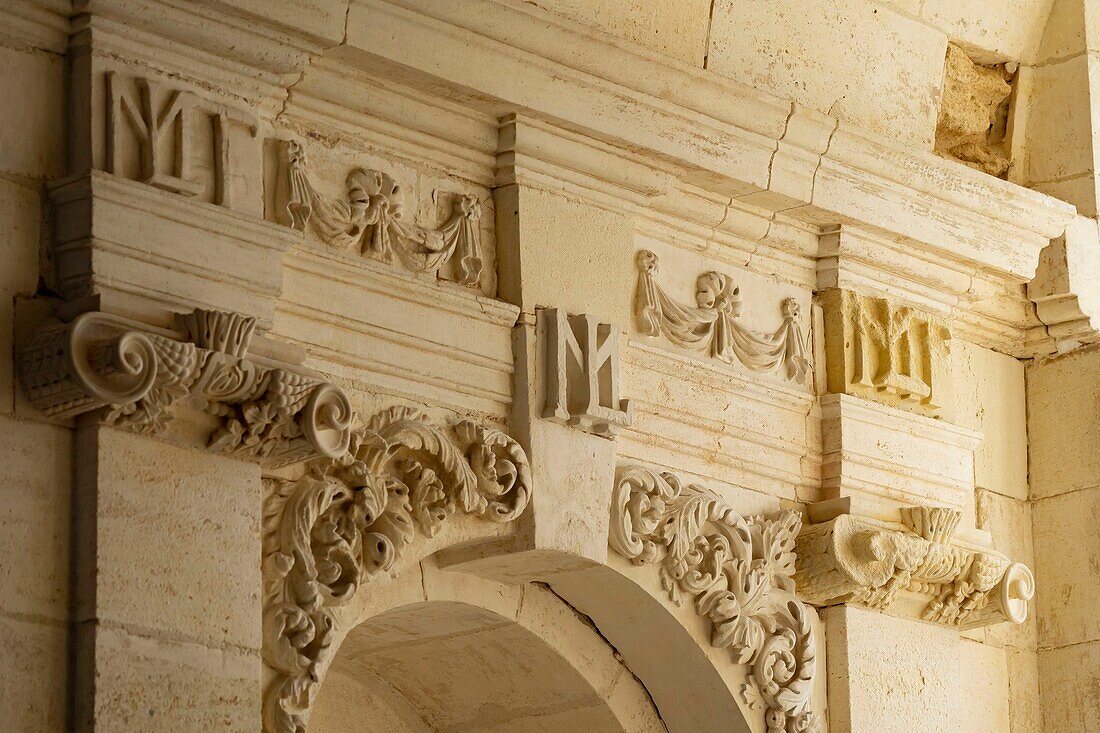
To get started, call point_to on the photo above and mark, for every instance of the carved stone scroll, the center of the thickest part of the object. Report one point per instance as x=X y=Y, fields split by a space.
x=326 y=534
x=266 y=411
x=737 y=572
x=713 y=324
x=370 y=219
x=881 y=351
x=582 y=373
x=852 y=560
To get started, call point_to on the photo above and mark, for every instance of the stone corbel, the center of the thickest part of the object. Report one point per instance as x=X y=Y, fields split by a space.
x=264 y=409
x=328 y=533
x=737 y=572
x=852 y=560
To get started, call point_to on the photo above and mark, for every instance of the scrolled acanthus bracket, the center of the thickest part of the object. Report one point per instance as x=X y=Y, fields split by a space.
x=327 y=533
x=737 y=572
x=141 y=376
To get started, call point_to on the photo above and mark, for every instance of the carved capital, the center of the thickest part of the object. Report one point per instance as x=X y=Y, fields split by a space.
x=737 y=572
x=326 y=534
x=853 y=560
x=271 y=412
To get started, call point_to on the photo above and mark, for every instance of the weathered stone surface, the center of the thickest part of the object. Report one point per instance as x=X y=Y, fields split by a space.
x=973 y=113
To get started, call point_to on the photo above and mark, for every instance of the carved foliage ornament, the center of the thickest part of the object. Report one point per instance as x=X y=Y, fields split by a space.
x=326 y=534
x=263 y=410
x=370 y=219
x=712 y=324
x=737 y=572
x=850 y=560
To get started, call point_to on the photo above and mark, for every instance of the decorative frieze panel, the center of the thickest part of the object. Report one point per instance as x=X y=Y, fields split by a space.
x=156 y=133
x=853 y=560
x=881 y=351
x=582 y=372
x=328 y=533
x=737 y=572
x=264 y=410
x=370 y=220
x=713 y=324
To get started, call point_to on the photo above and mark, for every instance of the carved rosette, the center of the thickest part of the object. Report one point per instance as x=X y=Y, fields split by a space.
x=737 y=572
x=274 y=414
x=370 y=220
x=852 y=560
x=326 y=534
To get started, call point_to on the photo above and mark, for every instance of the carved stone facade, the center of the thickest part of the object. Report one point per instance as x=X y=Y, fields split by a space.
x=648 y=367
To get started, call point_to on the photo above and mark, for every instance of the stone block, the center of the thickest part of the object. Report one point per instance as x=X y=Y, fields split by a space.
x=1062 y=427
x=34 y=518
x=1003 y=29
x=677 y=30
x=806 y=51
x=558 y=252
x=887 y=673
x=32 y=124
x=34 y=660
x=1060 y=120
x=1067 y=567
x=1025 y=712
x=176 y=538
x=158 y=685
x=988 y=395
x=21 y=212
x=981 y=699
x=1068 y=682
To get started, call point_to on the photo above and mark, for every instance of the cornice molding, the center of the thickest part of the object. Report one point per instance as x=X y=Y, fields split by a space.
x=853 y=560
x=264 y=409
x=328 y=533
x=737 y=572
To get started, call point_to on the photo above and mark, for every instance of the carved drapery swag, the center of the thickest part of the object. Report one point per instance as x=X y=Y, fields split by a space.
x=738 y=573
x=327 y=533
x=712 y=324
x=271 y=412
x=370 y=219
x=852 y=560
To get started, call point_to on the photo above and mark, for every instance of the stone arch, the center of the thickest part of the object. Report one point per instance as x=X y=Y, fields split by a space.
x=449 y=651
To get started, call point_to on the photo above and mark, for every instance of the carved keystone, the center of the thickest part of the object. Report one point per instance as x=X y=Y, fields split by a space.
x=582 y=373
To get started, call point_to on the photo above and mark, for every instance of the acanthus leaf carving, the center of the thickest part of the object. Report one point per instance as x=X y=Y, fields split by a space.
x=329 y=532
x=713 y=324
x=370 y=219
x=853 y=560
x=275 y=414
x=738 y=573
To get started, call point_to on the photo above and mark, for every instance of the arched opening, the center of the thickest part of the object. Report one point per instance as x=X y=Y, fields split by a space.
x=476 y=656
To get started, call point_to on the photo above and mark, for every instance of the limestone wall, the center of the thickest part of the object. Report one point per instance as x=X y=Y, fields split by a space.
x=517 y=366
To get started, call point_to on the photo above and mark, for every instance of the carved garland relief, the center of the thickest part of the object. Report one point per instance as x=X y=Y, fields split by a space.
x=346 y=520
x=737 y=572
x=370 y=220
x=713 y=324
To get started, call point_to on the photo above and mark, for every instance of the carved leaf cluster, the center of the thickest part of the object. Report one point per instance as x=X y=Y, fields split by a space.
x=326 y=534
x=738 y=573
